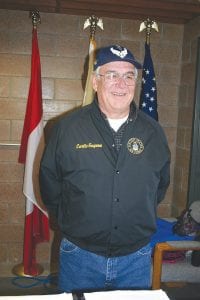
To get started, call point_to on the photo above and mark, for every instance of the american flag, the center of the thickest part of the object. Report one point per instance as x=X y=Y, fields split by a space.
x=148 y=97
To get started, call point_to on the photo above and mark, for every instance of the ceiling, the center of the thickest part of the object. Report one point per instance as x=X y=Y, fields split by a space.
x=167 y=11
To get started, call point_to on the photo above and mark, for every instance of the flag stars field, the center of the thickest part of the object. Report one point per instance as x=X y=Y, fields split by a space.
x=148 y=97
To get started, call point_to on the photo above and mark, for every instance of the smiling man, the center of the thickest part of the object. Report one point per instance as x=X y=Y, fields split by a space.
x=103 y=173
x=115 y=81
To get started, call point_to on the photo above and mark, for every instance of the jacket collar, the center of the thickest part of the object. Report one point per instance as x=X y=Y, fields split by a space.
x=99 y=114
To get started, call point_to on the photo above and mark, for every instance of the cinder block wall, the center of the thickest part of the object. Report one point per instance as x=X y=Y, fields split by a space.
x=185 y=116
x=63 y=48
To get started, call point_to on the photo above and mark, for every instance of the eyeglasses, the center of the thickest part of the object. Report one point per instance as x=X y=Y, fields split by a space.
x=114 y=77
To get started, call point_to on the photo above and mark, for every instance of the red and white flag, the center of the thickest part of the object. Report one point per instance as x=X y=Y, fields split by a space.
x=36 y=228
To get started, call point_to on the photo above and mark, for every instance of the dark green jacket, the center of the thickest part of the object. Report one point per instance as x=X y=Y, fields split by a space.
x=105 y=203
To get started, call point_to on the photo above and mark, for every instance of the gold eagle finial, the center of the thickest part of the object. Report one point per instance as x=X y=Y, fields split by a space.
x=148 y=25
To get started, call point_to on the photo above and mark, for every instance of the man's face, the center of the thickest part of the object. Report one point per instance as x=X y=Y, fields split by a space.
x=115 y=95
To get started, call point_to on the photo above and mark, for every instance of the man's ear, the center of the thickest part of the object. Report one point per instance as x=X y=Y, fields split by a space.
x=94 y=82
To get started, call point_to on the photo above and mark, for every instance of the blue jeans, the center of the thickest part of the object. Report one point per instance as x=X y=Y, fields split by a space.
x=81 y=270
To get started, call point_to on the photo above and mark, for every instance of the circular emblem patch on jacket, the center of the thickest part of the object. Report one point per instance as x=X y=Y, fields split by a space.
x=135 y=146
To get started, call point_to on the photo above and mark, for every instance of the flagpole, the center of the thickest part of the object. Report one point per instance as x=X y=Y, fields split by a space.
x=19 y=269
x=93 y=22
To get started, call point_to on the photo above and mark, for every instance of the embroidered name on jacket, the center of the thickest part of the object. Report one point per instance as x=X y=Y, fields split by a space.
x=88 y=146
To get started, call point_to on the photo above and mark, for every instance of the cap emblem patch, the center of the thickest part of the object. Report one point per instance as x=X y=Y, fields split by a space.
x=121 y=53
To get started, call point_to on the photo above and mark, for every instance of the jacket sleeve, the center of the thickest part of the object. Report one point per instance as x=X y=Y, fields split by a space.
x=164 y=176
x=49 y=178
x=164 y=180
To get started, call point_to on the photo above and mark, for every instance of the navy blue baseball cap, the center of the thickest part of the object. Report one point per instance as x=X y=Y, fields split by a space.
x=115 y=53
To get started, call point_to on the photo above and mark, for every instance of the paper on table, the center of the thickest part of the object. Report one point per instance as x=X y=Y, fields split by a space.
x=128 y=295
x=109 y=295
x=62 y=296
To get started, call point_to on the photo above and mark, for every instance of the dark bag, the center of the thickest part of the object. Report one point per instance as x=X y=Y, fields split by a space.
x=188 y=222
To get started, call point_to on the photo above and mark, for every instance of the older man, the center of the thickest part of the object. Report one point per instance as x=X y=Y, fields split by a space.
x=103 y=173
